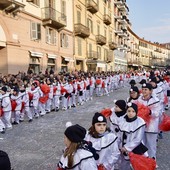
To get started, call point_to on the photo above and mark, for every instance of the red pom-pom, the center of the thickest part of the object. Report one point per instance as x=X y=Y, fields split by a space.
x=106 y=112
x=43 y=99
x=140 y=162
x=13 y=105
x=165 y=124
x=78 y=87
x=101 y=167
x=165 y=99
x=23 y=105
x=45 y=88
x=144 y=112
x=91 y=82
x=30 y=96
x=98 y=81
x=103 y=84
x=54 y=89
x=63 y=90
x=1 y=112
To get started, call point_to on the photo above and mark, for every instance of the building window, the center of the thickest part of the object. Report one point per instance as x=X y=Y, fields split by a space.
x=35 y=31
x=50 y=36
x=90 y=25
x=98 y=29
x=79 y=47
x=105 y=32
x=78 y=17
x=99 y=52
x=105 y=54
x=64 y=40
x=63 y=7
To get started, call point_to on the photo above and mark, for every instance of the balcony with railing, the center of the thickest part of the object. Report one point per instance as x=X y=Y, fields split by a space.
x=100 y=39
x=53 y=18
x=107 y=19
x=118 y=2
x=92 y=6
x=123 y=20
x=11 y=6
x=81 y=30
x=92 y=55
x=112 y=45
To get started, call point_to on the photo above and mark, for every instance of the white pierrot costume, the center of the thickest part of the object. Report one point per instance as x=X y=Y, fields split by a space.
x=107 y=148
x=83 y=160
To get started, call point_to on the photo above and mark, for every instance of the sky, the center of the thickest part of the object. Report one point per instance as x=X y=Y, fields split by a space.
x=150 y=19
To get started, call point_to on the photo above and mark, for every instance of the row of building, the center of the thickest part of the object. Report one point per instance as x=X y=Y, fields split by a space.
x=88 y=35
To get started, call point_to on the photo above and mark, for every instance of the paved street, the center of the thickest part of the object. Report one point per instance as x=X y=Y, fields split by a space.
x=38 y=145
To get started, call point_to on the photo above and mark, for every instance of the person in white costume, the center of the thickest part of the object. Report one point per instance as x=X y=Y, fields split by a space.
x=6 y=107
x=16 y=96
x=26 y=108
x=148 y=99
x=118 y=112
x=104 y=141
x=132 y=130
x=77 y=155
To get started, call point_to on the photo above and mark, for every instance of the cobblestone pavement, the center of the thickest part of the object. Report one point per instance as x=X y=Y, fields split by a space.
x=38 y=145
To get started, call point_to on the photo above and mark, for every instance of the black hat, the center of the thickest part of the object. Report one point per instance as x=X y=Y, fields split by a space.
x=75 y=133
x=132 y=82
x=142 y=81
x=16 y=89
x=153 y=79
x=121 y=104
x=134 y=106
x=147 y=85
x=35 y=84
x=4 y=88
x=98 y=118
x=5 y=163
x=134 y=88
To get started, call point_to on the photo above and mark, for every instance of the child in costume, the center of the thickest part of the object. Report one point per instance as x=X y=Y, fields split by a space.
x=77 y=155
x=104 y=141
x=118 y=112
x=132 y=130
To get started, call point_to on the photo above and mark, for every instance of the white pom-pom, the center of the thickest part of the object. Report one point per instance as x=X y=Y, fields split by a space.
x=144 y=85
x=149 y=79
x=131 y=90
x=100 y=118
x=68 y=124
x=129 y=104
x=115 y=101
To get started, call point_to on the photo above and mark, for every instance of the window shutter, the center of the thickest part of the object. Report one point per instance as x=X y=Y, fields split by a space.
x=67 y=43
x=78 y=17
x=39 y=31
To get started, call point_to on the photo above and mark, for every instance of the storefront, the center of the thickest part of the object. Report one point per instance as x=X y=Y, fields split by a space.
x=35 y=61
x=95 y=65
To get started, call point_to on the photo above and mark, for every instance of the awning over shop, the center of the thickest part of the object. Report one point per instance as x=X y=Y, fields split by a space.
x=52 y=56
x=68 y=58
x=2 y=37
x=36 y=54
